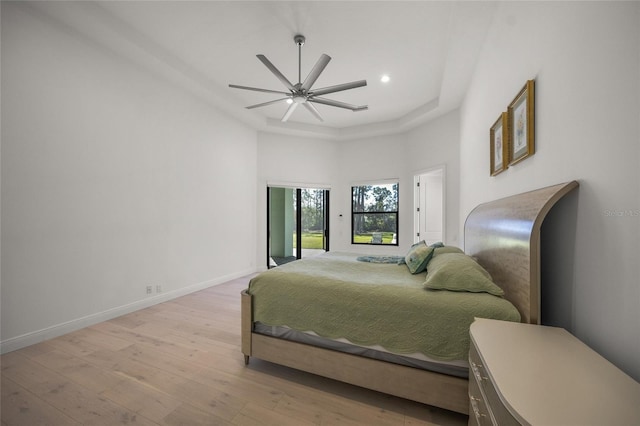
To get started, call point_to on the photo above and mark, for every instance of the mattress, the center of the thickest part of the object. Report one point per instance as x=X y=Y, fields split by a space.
x=416 y=360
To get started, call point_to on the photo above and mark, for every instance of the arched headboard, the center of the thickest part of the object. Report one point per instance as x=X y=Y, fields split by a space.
x=504 y=236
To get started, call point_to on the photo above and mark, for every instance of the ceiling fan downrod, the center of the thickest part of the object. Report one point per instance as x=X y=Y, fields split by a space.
x=299 y=40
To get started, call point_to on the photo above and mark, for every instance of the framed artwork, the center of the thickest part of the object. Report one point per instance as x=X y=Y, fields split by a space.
x=499 y=144
x=521 y=124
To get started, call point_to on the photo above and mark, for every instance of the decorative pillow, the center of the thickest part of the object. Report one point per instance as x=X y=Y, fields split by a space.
x=418 y=256
x=459 y=272
x=446 y=249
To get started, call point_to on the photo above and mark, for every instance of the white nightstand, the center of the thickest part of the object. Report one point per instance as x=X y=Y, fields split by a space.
x=523 y=374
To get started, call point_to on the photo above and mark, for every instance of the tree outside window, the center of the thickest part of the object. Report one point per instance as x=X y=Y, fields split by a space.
x=374 y=214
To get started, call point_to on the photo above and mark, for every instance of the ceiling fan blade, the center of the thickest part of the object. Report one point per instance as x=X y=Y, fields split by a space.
x=338 y=104
x=315 y=72
x=277 y=73
x=267 y=103
x=235 y=86
x=313 y=110
x=338 y=88
x=290 y=110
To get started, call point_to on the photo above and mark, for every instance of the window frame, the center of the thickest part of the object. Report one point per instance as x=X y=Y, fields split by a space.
x=395 y=212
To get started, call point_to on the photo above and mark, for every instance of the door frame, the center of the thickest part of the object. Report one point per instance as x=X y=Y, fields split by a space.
x=298 y=188
x=417 y=232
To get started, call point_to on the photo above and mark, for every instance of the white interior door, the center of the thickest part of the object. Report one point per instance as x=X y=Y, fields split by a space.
x=429 y=206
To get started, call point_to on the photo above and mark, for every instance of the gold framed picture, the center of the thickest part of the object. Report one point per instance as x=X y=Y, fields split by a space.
x=522 y=124
x=499 y=144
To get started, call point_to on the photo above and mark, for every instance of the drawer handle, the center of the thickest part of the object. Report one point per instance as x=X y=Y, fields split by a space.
x=476 y=410
x=476 y=373
x=476 y=365
x=480 y=377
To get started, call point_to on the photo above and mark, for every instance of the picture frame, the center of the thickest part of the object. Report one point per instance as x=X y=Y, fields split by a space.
x=499 y=145
x=522 y=124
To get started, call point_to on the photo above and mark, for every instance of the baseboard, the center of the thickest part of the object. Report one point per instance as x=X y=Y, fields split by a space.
x=19 y=342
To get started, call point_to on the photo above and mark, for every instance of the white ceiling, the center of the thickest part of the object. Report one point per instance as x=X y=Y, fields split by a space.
x=428 y=48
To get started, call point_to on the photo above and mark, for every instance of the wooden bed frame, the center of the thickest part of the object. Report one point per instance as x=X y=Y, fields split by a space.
x=504 y=236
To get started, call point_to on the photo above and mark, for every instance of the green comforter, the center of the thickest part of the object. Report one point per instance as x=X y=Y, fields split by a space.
x=336 y=296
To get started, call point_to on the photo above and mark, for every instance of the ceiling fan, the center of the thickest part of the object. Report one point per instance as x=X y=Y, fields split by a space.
x=301 y=92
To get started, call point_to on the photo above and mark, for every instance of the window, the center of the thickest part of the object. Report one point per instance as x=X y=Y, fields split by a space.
x=374 y=214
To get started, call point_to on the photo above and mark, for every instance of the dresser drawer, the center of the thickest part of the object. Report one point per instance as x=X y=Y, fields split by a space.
x=480 y=383
x=478 y=412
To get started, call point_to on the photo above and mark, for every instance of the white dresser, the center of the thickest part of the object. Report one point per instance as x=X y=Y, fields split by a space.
x=523 y=374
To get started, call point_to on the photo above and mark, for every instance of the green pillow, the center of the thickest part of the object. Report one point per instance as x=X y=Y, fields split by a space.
x=459 y=272
x=446 y=249
x=418 y=256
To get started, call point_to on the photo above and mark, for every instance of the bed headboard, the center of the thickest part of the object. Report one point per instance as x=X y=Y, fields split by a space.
x=504 y=236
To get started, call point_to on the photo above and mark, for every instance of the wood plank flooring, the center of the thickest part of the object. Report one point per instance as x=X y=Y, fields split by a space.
x=179 y=363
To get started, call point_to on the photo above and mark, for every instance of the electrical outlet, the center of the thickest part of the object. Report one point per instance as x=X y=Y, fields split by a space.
x=158 y=288
x=149 y=289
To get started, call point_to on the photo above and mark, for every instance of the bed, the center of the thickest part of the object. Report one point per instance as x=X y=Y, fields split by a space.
x=502 y=236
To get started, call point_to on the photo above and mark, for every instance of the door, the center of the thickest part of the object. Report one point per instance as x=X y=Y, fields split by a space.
x=298 y=223
x=429 y=206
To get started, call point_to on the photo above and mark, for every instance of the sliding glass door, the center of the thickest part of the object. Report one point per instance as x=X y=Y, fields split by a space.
x=298 y=223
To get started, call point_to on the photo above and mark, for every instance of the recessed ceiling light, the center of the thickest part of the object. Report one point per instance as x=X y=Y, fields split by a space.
x=289 y=101
x=385 y=78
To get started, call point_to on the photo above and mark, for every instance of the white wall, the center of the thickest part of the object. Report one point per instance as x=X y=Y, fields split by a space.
x=435 y=144
x=585 y=58
x=112 y=180
x=370 y=160
x=339 y=164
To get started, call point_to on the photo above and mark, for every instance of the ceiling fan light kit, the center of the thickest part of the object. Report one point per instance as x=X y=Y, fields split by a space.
x=301 y=93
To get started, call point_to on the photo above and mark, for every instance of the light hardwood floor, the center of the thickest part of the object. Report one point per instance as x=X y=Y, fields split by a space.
x=179 y=363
